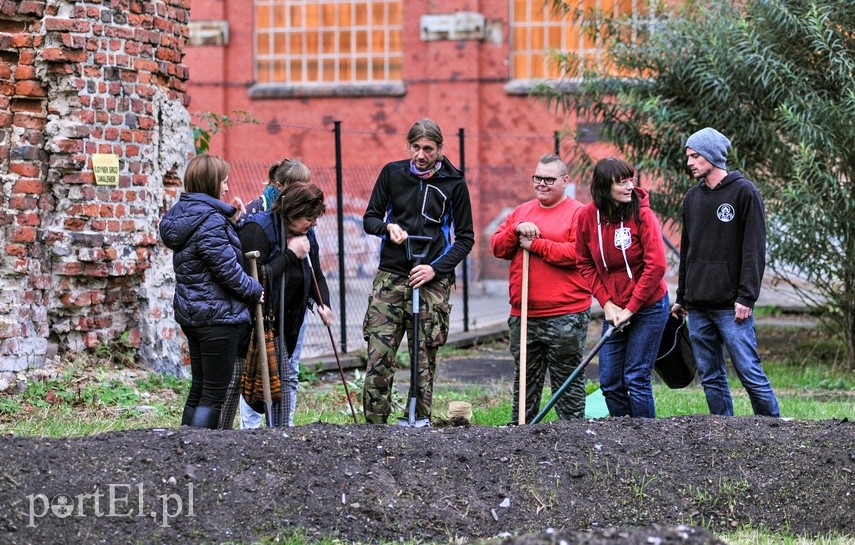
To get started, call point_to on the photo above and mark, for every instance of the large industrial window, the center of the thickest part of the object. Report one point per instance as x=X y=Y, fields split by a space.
x=328 y=42
x=537 y=28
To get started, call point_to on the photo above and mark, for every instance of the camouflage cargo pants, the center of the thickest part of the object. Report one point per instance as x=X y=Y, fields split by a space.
x=556 y=344
x=388 y=317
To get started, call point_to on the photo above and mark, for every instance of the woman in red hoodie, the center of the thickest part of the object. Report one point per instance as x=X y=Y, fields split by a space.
x=621 y=256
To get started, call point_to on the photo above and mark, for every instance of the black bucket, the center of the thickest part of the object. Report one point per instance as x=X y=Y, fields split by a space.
x=675 y=362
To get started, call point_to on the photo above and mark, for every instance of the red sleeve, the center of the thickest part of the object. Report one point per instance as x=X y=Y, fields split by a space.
x=654 y=260
x=505 y=242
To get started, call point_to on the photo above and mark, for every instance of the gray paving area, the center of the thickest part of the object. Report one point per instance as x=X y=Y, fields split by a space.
x=487 y=312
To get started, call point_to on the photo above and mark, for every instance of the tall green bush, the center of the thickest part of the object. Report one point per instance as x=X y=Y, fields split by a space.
x=775 y=76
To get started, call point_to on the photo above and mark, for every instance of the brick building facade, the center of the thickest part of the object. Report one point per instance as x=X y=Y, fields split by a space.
x=452 y=60
x=81 y=264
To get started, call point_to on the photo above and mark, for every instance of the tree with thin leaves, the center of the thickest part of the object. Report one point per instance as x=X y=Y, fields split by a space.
x=778 y=78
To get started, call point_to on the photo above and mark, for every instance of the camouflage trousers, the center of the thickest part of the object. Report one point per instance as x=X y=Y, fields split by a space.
x=389 y=316
x=554 y=344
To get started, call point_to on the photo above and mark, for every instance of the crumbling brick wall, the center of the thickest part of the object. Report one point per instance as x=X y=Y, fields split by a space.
x=80 y=264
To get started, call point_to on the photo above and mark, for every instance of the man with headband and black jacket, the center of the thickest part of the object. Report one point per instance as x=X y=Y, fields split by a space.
x=420 y=196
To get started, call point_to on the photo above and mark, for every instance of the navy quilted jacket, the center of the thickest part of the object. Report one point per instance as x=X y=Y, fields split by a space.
x=211 y=286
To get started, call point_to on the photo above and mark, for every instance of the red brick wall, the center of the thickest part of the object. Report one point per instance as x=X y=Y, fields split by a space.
x=80 y=261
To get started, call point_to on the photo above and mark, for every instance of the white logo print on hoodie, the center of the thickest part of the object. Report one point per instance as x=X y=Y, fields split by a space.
x=623 y=240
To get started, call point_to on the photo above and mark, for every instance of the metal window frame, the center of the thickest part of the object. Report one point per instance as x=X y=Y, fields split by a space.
x=385 y=57
x=550 y=20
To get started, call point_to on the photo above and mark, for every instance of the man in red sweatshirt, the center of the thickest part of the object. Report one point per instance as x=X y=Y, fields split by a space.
x=559 y=300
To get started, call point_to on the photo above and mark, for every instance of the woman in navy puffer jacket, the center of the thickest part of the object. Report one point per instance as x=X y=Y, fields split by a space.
x=212 y=291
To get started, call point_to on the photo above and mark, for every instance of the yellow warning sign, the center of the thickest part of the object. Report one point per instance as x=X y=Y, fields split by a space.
x=106 y=168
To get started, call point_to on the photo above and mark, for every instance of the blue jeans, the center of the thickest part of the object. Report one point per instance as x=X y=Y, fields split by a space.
x=626 y=362
x=711 y=331
x=249 y=418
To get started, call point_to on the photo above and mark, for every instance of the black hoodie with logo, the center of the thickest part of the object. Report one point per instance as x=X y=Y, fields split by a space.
x=723 y=252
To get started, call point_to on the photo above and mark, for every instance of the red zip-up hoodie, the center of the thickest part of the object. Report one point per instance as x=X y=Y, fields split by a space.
x=622 y=262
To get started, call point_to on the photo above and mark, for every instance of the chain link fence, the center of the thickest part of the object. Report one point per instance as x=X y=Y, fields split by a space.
x=349 y=257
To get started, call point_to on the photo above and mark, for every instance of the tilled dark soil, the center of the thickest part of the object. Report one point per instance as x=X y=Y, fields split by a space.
x=605 y=481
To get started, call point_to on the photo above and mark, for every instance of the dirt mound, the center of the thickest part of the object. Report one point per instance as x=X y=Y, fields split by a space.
x=619 y=480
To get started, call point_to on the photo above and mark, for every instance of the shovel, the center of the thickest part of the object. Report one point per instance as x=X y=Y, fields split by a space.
x=410 y=419
x=523 y=339
x=560 y=392
x=261 y=348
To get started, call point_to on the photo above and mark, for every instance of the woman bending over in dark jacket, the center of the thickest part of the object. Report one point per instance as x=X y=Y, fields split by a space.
x=212 y=291
x=285 y=239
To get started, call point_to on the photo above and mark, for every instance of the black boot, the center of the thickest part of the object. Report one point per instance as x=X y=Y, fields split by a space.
x=187 y=415
x=206 y=417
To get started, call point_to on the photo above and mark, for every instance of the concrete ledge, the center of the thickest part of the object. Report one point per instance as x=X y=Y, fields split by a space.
x=308 y=90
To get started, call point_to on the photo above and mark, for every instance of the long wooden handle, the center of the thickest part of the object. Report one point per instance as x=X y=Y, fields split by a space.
x=332 y=341
x=261 y=345
x=523 y=338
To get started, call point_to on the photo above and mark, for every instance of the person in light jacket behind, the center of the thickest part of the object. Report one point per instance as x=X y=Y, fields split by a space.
x=621 y=255
x=212 y=292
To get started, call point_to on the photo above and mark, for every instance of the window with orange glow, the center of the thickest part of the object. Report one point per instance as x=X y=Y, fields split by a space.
x=304 y=42
x=537 y=28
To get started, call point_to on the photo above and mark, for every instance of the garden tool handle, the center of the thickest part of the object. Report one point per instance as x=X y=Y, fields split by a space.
x=332 y=341
x=414 y=255
x=261 y=348
x=523 y=339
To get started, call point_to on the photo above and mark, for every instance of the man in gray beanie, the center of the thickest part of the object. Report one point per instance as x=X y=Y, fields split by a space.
x=711 y=145
x=722 y=260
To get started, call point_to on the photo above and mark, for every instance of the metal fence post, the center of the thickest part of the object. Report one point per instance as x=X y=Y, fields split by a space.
x=462 y=164
x=342 y=297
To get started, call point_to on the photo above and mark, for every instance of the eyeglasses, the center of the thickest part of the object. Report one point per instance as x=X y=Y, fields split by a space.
x=629 y=182
x=543 y=179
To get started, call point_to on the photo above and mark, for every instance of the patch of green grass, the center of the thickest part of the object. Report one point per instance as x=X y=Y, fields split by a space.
x=85 y=399
x=769 y=311
x=154 y=382
x=759 y=537
x=67 y=421
x=306 y=374
x=691 y=400
x=82 y=400
x=9 y=406
x=491 y=404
